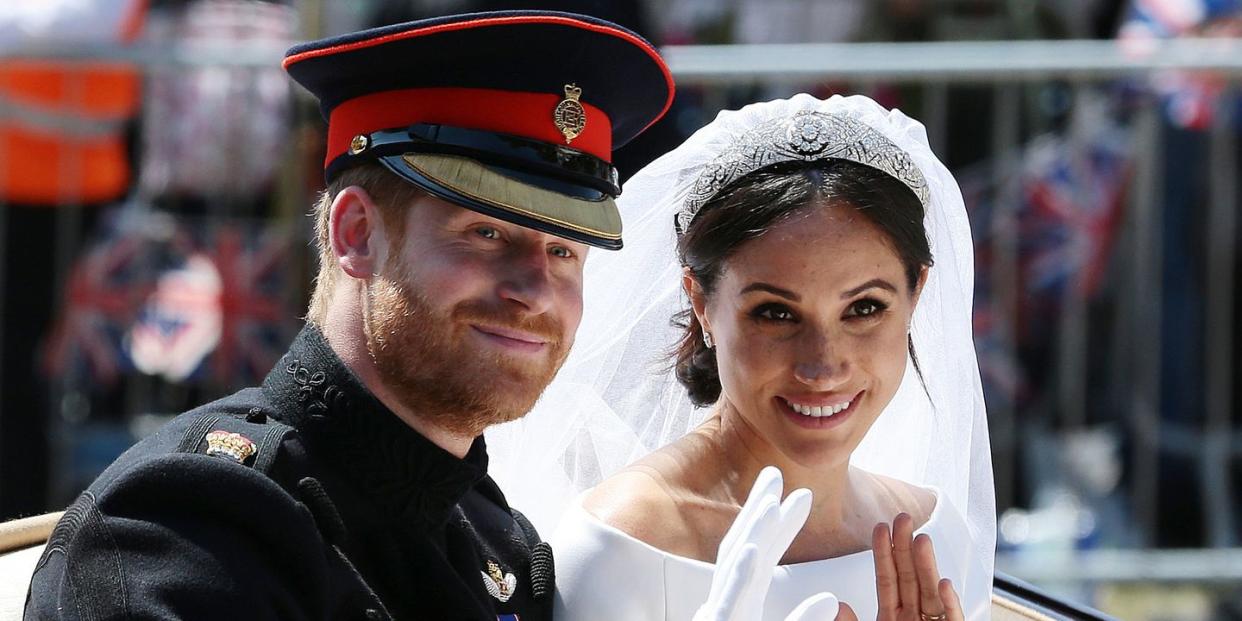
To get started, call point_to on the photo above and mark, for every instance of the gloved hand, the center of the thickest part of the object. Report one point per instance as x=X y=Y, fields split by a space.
x=750 y=550
x=821 y=607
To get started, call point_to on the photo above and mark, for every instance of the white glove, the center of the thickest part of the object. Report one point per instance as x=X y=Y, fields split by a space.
x=820 y=607
x=750 y=550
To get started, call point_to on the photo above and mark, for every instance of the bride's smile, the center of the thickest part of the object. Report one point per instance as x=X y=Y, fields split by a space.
x=817 y=416
x=825 y=408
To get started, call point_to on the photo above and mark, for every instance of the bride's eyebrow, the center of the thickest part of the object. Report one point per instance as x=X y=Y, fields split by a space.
x=878 y=283
x=773 y=289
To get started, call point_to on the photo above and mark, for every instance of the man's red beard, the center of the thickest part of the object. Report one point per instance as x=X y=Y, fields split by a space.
x=437 y=369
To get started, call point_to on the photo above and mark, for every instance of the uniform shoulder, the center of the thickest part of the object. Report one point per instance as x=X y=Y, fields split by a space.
x=213 y=528
x=233 y=435
x=209 y=470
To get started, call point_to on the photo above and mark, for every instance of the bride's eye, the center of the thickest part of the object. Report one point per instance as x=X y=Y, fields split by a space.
x=773 y=312
x=866 y=308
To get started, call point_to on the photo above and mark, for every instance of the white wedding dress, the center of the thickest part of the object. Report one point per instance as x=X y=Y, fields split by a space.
x=604 y=574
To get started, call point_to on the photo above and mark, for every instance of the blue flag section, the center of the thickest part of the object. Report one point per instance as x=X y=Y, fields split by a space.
x=190 y=304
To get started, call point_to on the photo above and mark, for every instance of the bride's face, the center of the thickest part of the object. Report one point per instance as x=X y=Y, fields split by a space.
x=810 y=322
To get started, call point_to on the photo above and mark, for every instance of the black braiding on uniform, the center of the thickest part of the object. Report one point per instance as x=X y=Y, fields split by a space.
x=333 y=528
x=98 y=581
x=542 y=571
x=68 y=526
x=322 y=509
x=269 y=447
x=380 y=608
x=542 y=568
x=196 y=433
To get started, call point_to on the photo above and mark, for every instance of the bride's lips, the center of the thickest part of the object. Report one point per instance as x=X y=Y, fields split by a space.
x=821 y=422
x=512 y=340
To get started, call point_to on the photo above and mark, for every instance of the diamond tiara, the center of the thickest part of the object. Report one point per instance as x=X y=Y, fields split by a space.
x=806 y=136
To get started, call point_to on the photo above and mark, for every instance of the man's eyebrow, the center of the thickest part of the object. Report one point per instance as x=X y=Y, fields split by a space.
x=874 y=282
x=773 y=289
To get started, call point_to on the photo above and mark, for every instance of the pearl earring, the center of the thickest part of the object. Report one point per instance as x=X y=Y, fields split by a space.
x=707 y=339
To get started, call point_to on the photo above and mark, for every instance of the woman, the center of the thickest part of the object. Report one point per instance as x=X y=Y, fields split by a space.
x=803 y=234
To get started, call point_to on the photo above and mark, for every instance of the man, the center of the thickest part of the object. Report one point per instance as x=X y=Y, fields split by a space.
x=468 y=174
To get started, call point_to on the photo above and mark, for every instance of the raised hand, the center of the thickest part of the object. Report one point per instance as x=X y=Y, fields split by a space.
x=907 y=582
x=750 y=550
x=822 y=607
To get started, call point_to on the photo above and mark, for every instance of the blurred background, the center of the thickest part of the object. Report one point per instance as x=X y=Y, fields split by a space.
x=157 y=167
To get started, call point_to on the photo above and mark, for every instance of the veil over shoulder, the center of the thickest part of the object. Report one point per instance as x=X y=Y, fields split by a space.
x=616 y=398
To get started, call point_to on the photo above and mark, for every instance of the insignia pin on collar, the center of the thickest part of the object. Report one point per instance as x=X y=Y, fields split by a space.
x=501 y=586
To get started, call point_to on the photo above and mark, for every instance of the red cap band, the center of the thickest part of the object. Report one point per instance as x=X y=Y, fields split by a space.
x=507 y=112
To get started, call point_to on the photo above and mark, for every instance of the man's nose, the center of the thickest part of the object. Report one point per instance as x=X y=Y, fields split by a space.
x=527 y=281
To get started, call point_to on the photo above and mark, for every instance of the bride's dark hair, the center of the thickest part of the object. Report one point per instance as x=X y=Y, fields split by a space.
x=750 y=206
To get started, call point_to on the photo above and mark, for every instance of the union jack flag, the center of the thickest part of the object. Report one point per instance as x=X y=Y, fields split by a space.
x=258 y=322
x=1066 y=218
x=180 y=322
x=1072 y=195
x=105 y=287
x=213 y=309
x=1187 y=97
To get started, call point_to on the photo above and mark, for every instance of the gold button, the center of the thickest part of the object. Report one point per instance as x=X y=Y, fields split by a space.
x=359 y=144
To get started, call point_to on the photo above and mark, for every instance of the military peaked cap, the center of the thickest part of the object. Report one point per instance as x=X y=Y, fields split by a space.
x=512 y=114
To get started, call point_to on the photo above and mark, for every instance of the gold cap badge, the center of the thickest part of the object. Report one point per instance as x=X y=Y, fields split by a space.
x=232 y=445
x=499 y=585
x=570 y=116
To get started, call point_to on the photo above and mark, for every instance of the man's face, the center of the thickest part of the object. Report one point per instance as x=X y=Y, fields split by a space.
x=471 y=317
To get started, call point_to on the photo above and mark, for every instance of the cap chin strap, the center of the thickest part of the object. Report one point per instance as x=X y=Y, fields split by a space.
x=554 y=167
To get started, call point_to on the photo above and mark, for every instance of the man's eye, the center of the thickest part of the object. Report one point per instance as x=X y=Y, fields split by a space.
x=488 y=232
x=562 y=252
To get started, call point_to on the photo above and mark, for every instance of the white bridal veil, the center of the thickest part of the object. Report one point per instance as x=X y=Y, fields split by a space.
x=616 y=399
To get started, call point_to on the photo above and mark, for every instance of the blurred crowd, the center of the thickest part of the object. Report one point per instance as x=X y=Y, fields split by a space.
x=156 y=250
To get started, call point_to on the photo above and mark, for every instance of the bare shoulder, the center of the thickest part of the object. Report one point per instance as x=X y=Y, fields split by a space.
x=895 y=496
x=644 y=501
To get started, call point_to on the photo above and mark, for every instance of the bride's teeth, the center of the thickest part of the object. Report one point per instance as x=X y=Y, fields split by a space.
x=818 y=411
x=821 y=410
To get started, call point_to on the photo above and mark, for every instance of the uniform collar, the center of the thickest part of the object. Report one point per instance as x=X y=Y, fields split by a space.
x=405 y=474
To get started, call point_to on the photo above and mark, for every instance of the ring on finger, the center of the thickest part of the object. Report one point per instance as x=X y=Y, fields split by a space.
x=940 y=617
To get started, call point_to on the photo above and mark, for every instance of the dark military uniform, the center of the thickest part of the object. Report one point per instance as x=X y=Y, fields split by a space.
x=341 y=512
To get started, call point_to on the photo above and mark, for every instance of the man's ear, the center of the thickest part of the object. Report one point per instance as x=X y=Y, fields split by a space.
x=698 y=301
x=356 y=232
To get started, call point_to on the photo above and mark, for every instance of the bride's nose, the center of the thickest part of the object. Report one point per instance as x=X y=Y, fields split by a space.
x=821 y=363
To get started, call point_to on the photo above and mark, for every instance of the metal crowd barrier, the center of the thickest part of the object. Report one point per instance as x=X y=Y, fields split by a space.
x=1007 y=71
